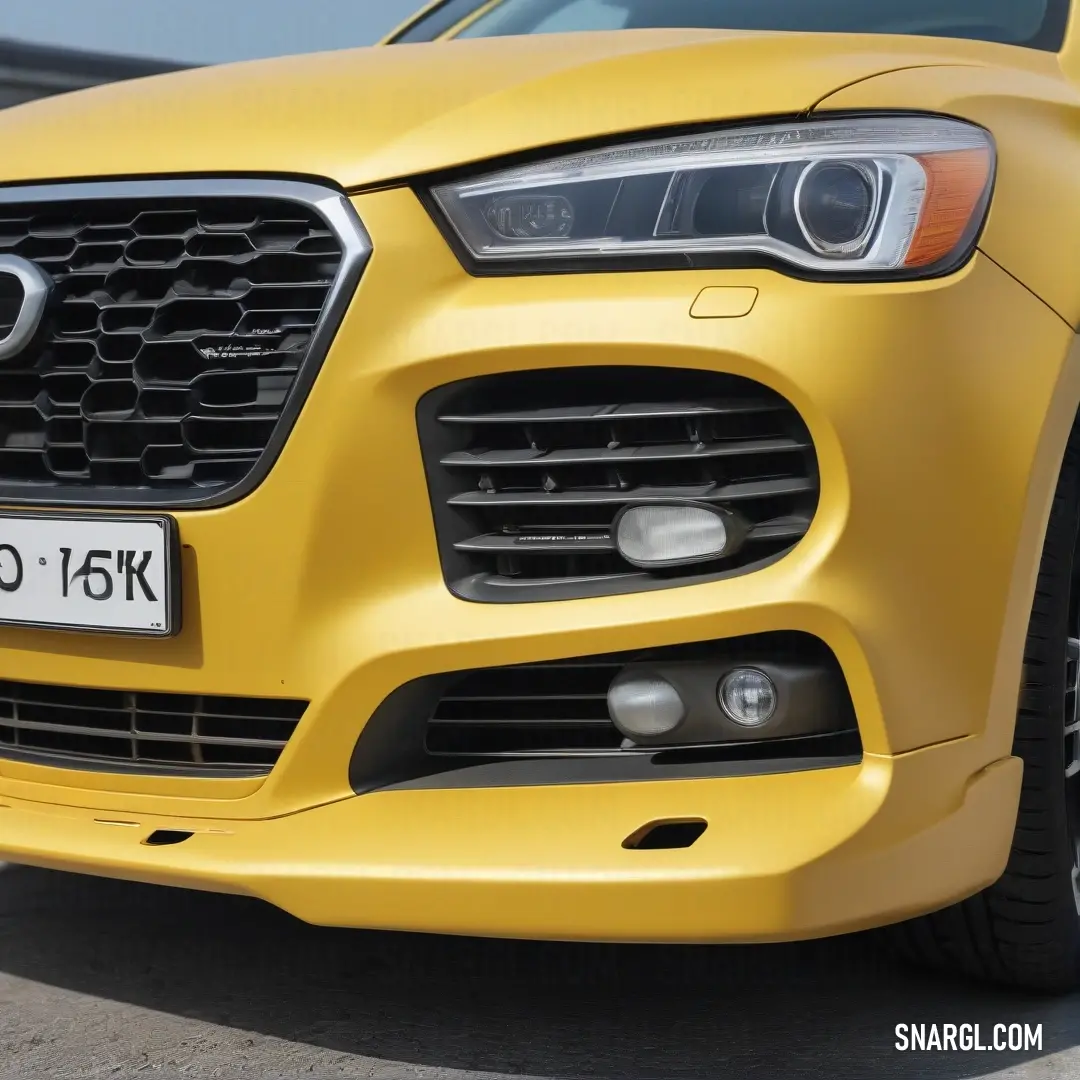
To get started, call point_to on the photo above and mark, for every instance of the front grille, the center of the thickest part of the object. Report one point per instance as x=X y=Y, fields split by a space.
x=171 y=354
x=527 y=472
x=152 y=733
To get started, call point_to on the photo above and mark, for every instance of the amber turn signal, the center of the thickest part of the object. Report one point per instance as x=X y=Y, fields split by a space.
x=956 y=189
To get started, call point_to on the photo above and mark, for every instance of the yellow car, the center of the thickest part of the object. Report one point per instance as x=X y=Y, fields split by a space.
x=582 y=469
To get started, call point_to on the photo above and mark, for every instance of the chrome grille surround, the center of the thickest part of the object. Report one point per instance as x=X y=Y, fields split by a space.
x=150 y=382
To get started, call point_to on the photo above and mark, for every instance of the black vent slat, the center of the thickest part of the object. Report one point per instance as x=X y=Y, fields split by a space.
x=152 y=293
x=790 y=528
x=636 y=411
x=146 y=732
x=528 y=471
x=155 y=736
x=549 y=544
x=550 y=709
x=83 y=705
x=524 y=697
x=502 y=543
x=564 y=665
x=622 y=454
x=516 y=721
x=762 y=489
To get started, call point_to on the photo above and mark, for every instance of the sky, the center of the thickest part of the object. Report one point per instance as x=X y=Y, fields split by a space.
x=203 y=31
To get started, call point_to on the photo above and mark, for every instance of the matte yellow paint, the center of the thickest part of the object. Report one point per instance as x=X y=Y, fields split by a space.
x=783 y=857
x=939 y=409
x=371 y=116
x=724 y=302
x=1035 y=120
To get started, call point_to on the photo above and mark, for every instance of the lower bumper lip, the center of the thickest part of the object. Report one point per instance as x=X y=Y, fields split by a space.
x=479 y=862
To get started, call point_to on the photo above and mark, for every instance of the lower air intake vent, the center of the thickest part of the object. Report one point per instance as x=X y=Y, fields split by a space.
x=548 y=722
x=548 y=709
x=559 y=709
x=529 y=470
x=115 y=730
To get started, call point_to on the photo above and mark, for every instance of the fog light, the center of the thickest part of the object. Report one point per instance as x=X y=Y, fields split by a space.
x=748 y=697
x=652 y=537
x=644 y=706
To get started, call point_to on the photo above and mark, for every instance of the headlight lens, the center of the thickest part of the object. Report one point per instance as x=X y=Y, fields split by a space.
x=867 y=196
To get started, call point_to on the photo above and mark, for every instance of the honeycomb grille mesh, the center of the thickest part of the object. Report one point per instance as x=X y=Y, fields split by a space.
x=173 y=339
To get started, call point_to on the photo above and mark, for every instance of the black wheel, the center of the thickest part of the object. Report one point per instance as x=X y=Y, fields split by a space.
x=1025 y=929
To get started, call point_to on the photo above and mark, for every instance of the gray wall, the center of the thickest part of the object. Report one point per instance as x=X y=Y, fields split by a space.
x=32 y=71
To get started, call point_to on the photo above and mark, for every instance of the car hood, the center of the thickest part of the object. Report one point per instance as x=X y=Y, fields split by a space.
x=368 y=116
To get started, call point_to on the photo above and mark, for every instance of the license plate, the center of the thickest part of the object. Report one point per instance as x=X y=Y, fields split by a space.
x=114 y=575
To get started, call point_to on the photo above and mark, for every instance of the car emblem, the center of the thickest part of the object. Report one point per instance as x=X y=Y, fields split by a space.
x=30 y=291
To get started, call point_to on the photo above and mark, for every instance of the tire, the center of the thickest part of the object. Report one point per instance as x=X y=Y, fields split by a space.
x=1024 y=930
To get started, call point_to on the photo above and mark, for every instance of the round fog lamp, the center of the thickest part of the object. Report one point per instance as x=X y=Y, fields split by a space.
x=644 y=706
x=657 y=536
x=748 y=697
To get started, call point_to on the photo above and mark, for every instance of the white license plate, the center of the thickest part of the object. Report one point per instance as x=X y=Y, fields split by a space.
x=115 y=575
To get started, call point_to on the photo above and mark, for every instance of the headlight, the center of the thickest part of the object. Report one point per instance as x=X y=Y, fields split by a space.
x=878 y=196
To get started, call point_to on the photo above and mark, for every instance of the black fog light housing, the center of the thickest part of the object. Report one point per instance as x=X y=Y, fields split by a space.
x=651 y=713
x=742 y=697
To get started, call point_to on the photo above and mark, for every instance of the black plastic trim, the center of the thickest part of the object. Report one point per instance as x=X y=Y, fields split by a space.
x=429 y=25
x=486 y=589
x=129 y=768
x=340 y=217
x=543 y=267
x=439 y=20
x=390 y=753
x=390 y=749
x=174 y=599
x=633 y=768
x=167 y=837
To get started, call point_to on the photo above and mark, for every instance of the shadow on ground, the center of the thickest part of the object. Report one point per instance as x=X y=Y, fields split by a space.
x=822 y=1009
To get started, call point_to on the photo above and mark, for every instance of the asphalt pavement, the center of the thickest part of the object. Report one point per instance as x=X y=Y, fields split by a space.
x=108 y=979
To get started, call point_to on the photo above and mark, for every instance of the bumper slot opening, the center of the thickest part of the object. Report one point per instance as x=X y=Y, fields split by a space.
x=142 y=732
x=167 y=837
x=528 y=472
x=551 y=723
x=667 y=835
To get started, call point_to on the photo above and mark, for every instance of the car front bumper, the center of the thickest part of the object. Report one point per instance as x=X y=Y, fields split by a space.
x=939 y=411
x=784 y=856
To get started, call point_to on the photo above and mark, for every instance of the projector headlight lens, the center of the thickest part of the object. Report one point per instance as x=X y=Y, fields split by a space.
x=835 y=202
